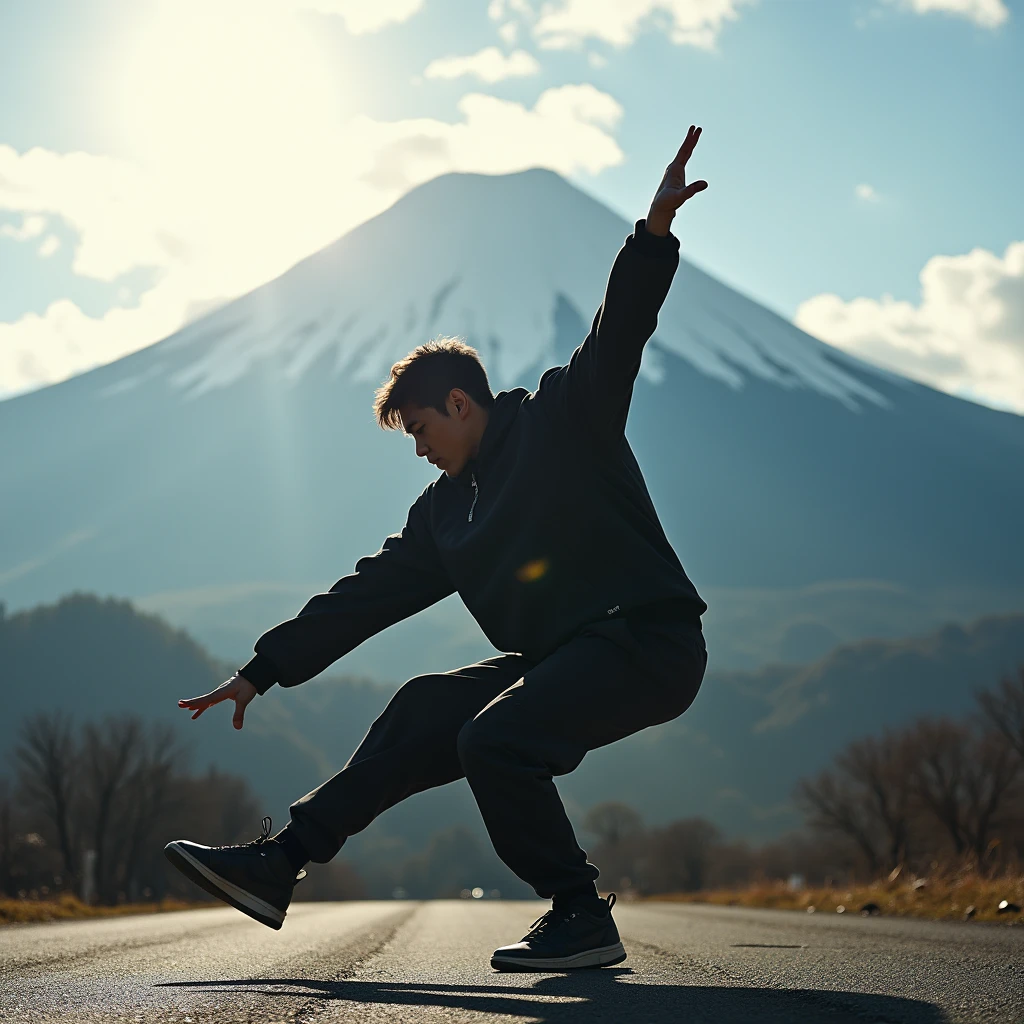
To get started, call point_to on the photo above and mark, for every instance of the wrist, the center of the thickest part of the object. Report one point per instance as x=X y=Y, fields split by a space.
x=658 y=223
x=261 y=672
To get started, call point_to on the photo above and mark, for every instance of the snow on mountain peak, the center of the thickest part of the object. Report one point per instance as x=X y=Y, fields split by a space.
x=486 y=258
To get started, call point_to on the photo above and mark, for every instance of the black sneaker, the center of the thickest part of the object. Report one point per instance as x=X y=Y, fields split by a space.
x=565 y=938
x=256 y=878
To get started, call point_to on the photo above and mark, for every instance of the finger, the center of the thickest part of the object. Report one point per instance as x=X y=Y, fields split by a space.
x=214 y=697
x=686 y=149
x=691 y=190
x=685 y=143
x=239 y=715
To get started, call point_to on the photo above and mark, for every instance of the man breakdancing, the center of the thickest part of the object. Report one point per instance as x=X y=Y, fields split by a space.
x=542 y=523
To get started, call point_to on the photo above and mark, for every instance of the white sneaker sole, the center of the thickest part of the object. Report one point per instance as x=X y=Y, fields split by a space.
x=213 y=883
x=603 y=956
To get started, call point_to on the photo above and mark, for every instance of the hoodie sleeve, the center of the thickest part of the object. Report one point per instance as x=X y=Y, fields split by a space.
x=403 y=577
x=596 y=385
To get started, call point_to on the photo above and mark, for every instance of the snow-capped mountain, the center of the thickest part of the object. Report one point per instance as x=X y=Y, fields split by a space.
x=226 y=473
x=444 y=258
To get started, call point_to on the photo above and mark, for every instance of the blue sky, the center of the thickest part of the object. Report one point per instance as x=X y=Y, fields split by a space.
x=864 y=156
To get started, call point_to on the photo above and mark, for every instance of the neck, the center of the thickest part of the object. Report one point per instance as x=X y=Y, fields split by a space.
x=479 y=432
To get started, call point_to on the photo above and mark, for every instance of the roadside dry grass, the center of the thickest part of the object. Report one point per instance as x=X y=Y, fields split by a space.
x=68 y=907
x=934 y=898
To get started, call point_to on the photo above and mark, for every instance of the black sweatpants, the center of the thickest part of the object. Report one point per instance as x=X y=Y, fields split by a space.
x=508 y=725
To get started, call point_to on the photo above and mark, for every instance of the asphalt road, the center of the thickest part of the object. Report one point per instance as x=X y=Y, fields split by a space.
x=428 y=962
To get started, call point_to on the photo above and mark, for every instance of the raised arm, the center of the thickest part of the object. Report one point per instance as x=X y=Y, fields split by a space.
x=596 y=386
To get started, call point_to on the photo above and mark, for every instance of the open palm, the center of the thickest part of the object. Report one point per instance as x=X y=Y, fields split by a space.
x=673 y=190
x=237 y=688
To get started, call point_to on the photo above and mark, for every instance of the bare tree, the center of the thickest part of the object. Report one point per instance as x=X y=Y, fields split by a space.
x=612 y=822
x=1004 y=709
x=965 y=779
x=880 y=771
x=237 y=806
x=6 y=840
x=48 y=761
x=111 y=754
x=679 y=855
x=148 y=793
x=868 y=797
x=833 y=804
x=991 y=781
x=619 y=831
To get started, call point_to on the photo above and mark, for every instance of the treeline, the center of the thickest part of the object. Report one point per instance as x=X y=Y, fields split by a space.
x=91 y=806
x=453 y=860
x=939 y=792
x=936 y=795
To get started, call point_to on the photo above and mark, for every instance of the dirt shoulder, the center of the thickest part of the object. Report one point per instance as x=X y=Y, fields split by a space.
x=67 y=907
x=935 y=899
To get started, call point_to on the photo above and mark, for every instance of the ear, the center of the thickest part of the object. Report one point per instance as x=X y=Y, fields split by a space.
x=460 y=401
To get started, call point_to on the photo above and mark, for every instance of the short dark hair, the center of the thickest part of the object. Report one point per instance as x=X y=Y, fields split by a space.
x=426 y=376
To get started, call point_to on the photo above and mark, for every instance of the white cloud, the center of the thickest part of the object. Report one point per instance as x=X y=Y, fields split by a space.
x=219 y=227
x=32 y=226
x=597 y=60
x=39 y=350
x=359 y=16
x=567 y=130
x=966 y=337
x=497 y=9
x=509 y=32
x=49 y=245
x=867 y=193
x=986 y=13
x=490 y=64
x=109 y=202
x=618 y=22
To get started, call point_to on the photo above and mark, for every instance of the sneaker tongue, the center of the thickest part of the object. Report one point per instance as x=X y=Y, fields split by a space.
x=593 y=905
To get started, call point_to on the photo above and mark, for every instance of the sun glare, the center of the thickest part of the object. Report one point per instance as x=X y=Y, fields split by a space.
x=234 y=109
x=224 y=84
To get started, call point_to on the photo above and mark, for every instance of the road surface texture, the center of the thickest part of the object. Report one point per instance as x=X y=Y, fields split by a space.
x=428 y=962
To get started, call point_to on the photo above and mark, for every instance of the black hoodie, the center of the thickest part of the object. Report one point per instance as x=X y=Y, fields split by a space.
x=548 y=528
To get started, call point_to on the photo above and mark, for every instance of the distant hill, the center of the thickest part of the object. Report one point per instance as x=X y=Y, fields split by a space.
x=97 y=656
x=736 y=753
x=733 y=757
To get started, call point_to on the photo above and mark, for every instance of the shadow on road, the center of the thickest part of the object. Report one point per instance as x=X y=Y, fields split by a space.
x=599 y=995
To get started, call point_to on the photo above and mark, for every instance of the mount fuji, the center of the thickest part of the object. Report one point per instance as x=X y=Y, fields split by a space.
x=226 y=473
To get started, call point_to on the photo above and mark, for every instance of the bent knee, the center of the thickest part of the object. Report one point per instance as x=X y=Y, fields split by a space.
x=420 y=692
x=472 y=743
x=488 y=742
x=483 y=740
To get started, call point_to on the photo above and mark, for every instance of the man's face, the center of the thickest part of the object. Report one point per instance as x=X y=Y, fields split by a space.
x=445 y=441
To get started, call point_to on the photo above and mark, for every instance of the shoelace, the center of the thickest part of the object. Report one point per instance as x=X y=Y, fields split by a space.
x=265 y=823
x=547 y=921
x=556 y=915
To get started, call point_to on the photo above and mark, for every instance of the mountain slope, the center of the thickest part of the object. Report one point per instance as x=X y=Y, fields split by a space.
x=226 y=473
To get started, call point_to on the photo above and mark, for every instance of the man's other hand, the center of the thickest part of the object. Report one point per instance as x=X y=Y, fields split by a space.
x=237 y=688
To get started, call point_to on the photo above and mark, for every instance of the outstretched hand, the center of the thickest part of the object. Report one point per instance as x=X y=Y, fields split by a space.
x=237 y=688
x=673 y=190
